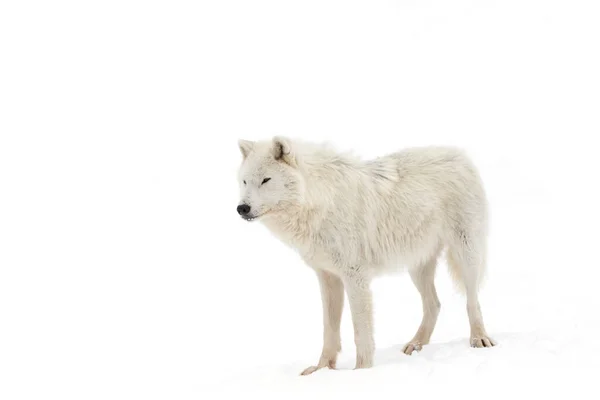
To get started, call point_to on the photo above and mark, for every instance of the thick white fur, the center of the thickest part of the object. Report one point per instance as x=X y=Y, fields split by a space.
x=352 y=220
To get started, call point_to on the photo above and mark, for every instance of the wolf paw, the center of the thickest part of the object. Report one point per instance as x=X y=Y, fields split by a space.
x=410 y=347
x=363 y=362
x=322 y=364
x=482 y=341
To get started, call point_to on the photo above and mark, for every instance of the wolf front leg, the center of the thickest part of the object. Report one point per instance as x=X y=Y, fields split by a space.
x=361 y=306
x=332 y=297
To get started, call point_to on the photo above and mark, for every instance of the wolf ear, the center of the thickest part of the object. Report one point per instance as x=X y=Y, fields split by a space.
x=282 y=150
x=245 y=147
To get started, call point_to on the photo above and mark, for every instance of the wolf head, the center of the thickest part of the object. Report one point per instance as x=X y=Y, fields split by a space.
x=269 y=178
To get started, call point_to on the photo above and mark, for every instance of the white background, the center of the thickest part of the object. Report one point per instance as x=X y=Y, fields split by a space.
x=125 y=272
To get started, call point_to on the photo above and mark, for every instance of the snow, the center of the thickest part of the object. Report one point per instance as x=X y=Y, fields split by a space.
x=126 y=273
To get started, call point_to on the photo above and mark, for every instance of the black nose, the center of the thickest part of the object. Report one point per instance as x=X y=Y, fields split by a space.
x=243 y=209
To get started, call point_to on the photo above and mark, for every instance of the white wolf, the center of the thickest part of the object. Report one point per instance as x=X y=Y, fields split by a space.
x=352 y=220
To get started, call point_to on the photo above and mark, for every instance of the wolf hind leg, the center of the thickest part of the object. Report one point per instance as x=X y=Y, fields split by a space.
x=423 y=276
x=467 y=263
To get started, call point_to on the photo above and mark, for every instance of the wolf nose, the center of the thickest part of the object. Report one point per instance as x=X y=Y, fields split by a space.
x=243 y=209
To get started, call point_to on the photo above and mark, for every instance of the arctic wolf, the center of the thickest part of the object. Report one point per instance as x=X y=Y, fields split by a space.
x=352 y=220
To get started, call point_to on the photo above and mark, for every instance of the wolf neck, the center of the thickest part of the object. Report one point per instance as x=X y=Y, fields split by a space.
x=323 y=172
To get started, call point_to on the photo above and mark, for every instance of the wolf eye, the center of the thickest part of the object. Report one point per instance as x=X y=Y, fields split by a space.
x=244 y=182
x=265 y=181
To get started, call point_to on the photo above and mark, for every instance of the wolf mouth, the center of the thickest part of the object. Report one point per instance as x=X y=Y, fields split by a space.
x=252 y=218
